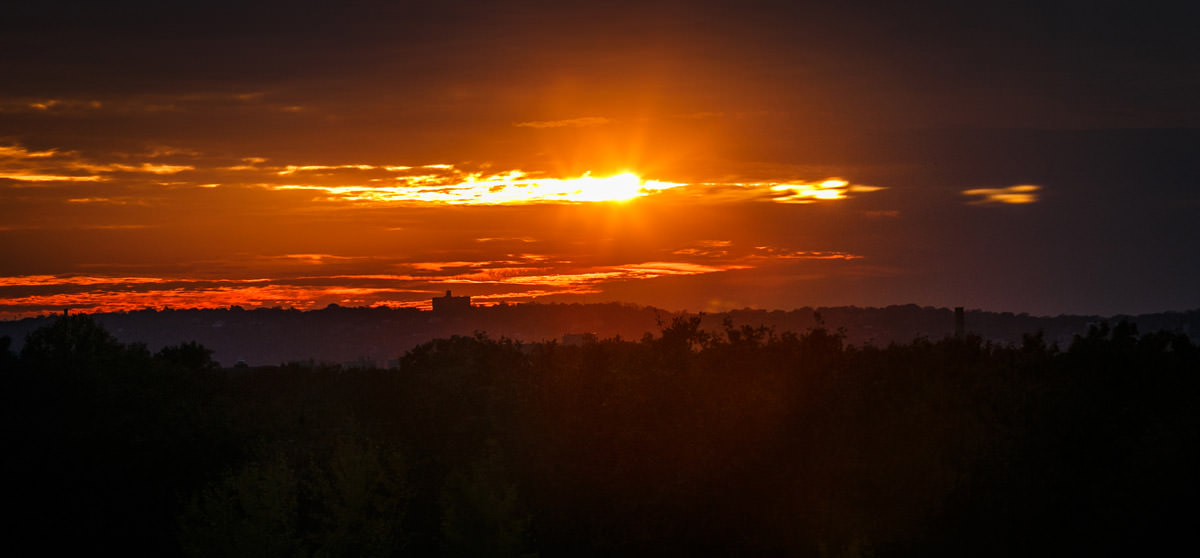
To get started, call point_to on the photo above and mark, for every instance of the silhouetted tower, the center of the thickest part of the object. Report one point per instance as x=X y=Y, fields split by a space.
x=451 y=304
x=960 y=323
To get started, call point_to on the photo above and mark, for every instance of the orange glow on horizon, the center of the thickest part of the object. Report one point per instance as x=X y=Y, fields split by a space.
x=123 y=294
x=279 y=258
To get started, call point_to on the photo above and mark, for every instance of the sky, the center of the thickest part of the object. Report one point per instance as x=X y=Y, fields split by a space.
x=1034 y=157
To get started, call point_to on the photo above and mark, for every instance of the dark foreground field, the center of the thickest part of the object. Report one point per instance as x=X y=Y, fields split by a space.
x=743 y=441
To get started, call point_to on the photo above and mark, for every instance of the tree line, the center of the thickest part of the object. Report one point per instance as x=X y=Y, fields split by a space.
x=738 y=440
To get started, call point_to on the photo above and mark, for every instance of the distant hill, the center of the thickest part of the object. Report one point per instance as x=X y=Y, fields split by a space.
x=377 y=336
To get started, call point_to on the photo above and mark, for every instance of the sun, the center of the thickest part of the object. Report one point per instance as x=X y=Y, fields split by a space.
x=517 y=187
x=618 y=188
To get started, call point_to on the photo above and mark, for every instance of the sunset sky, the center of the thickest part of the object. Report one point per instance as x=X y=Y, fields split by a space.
x=1039 y=157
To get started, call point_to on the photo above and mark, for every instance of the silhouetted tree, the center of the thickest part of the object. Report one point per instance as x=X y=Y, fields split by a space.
x=689 y=441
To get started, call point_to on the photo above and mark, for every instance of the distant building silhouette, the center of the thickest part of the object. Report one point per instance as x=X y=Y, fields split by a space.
x=451 y=304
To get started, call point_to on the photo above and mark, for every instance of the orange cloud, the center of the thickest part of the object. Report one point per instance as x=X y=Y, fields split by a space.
x=251 y=296
x=369 y=183
x=23 y=165
x=1018 y=194
x=569 y=122
x=493 y=280
x=509 y=188
x=787 y=191
x=34 y=176
x=143 y=103
x=769 y=252
x=448 y=185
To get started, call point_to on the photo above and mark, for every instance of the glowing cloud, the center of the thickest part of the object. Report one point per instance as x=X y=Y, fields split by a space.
x=569 y=122
x=706 y=248
x=513 y=187
x=789 y=192
x=379 y=183
x=23 y=165
x=307 y=280
x=293 y=169
x=448 y=185
x=29 y=105
x=144 y=103
x=1018 y=194
x=29 y=176
x=773 y=253
x=144 y=167
x=18 y=152
x=32 y=294
x=832 y=189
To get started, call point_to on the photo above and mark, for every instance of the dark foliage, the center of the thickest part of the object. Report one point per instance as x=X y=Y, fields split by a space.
x=378 y=336
x=743 y=440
